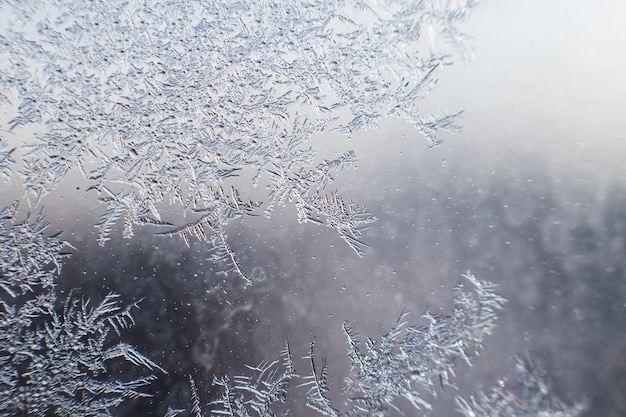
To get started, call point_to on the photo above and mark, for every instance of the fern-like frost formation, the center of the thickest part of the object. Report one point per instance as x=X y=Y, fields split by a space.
x=530 y=395
x=407 y=363
x=55 y=360
x=164 y=102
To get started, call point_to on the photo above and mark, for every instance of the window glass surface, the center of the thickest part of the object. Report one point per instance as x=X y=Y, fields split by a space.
x=334 y=208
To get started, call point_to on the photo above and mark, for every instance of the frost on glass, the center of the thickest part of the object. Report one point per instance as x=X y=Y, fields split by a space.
x=183 y=107
x=163 y=103
x=257 y=394
x=55 y=358
x=29 y=260
x=5 y=162
x=408 y=362
x=412 y=366
x=531 y=395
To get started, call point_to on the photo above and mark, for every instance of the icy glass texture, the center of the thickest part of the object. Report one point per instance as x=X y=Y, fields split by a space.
x=163 y=102
x=55 y=361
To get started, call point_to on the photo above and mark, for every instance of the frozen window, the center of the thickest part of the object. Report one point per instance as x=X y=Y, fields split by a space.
x=202 y=201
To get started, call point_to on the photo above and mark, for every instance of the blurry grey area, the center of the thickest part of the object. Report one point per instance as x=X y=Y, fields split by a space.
x=529 y=195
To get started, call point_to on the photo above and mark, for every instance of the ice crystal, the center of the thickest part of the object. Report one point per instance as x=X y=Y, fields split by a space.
x=5 y=161
x=393 y=368
x=165 y=101
x=411 y=366
x=55 y=361
x=258 y=393
x=531 y=396
x=29 y=260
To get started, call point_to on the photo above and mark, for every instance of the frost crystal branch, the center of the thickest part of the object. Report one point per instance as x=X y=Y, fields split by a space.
x=531 y=396
x=407 y=368
x=29 y=260
x=259 y=393
x=5 y=161
x=393 y=368
x=51 y=361
x=160 y=102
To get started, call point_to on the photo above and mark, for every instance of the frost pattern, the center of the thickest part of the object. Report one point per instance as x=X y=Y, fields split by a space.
x=531 y=397
x=29 y=260
x=413 y=365
x=56 y=361
x=165 y=102
x=393 y=368
x=5 y=161
x=258 y=393
x=51 y=361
